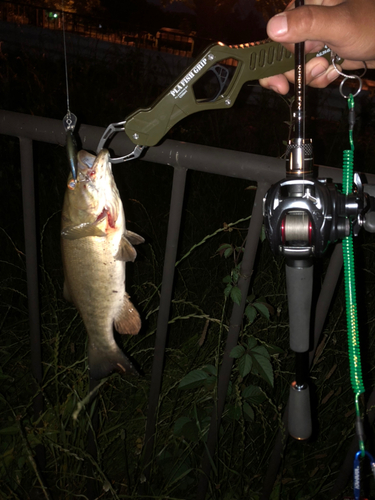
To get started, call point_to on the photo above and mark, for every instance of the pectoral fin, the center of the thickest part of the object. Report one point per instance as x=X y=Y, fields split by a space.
x=128 y=321
x=83 y=230
x=126 y=251
x=134 y=238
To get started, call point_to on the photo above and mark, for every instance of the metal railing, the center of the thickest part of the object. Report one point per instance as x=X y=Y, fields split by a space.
x=181 y=157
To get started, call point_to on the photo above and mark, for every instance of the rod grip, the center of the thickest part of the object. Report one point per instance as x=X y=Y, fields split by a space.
x=299 y=282
x=299 y=415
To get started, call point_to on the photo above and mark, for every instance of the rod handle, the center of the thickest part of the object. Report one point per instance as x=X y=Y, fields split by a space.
x=299 y=416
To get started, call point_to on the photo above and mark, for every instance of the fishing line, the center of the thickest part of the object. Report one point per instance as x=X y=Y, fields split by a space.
x=65 y=60
x=70 y=119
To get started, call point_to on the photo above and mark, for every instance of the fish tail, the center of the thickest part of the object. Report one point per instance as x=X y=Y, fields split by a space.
x=104 y=362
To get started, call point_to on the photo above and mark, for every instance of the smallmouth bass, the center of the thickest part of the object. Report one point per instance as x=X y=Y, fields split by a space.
x=95 y=247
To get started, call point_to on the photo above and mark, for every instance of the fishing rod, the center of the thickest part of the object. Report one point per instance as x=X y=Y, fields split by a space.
x=302 y=216
x=296 y=232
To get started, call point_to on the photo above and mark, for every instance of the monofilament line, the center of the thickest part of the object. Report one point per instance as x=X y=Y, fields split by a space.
x=65 y=60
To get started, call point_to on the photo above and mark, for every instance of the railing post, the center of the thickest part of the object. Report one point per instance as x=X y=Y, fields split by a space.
x=177 y=199
x=234 y=329
x=31 y=251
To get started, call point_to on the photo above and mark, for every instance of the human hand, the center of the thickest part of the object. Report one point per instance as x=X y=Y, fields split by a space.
x=346 y=26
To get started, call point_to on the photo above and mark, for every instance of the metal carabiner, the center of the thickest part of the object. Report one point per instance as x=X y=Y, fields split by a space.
x=111 y=130
x=357 y=472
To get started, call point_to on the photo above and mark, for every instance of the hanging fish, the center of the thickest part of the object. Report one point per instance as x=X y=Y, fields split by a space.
x=95 y=246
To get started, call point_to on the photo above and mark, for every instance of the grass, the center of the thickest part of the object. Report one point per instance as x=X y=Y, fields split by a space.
x=198 y=324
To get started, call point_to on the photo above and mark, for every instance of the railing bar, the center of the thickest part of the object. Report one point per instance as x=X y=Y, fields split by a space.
x=177 y=199
x=173 y=153
x=232 y=339
x=31 y=251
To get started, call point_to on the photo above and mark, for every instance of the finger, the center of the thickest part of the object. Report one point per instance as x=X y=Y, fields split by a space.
x=324 y=79
x=277 y=83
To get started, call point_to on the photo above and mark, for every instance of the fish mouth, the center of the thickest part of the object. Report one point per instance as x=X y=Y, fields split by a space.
x=91 y=167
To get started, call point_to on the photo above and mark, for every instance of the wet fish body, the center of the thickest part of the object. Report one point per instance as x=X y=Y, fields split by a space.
x=95 y=247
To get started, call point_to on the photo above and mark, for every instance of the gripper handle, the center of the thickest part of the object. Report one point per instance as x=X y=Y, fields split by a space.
x=251 y=61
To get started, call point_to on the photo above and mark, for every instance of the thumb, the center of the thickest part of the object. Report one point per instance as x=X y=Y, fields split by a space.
x=332 y=25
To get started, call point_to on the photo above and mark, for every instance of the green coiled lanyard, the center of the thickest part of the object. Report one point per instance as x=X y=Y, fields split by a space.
x=351 y=313
x=350 y=292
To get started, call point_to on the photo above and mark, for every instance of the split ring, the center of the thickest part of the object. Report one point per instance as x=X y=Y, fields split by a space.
x=342 y=84
x=334 y=58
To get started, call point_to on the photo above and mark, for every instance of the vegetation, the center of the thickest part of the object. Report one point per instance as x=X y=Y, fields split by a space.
x=216 y=216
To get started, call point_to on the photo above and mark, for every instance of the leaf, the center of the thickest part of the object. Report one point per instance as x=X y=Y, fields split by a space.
x=186 y=427
x=274 y=349
x=253 y=395
x=245 y=364
x=227 y=279
x=235 y=274
x=230 y=388
x=251 y=298
x=228 y=290
x=210 y=382
x=275 y=495
x=179 y=424
x=248 y=411
x=235 y=295
x=223 y=247
x=260 y=349
x=234 y=412
x=251 y=342
x=250 y=313
x=237 y=352
x=262 y=365
x=195 y=378
x=228 y=252
x=210 y=369
x=263 y=309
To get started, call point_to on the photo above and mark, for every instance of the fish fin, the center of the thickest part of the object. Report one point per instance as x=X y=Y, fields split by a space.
x=134 y=238
x=66 y=293
x=82 y=230
x=126 y=251
x=128 y=321
x=103 y=362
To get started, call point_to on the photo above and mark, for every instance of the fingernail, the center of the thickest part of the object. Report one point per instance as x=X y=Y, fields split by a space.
x=277 y=25
x=318 y=70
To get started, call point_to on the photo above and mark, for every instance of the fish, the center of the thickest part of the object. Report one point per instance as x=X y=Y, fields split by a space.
x=95 y=246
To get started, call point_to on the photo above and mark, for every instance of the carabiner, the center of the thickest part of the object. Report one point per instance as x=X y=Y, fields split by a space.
x=357 y=472
x=109 y=132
